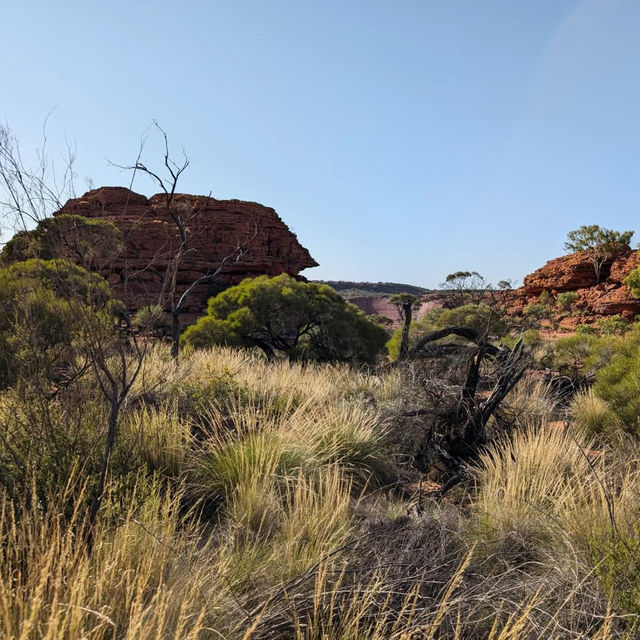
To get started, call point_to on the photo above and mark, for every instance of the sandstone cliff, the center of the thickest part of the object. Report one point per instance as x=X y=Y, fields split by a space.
x=574 y=272
x=215 y=229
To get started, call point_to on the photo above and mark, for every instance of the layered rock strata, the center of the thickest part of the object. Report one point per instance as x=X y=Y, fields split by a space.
x=215 y=228
x=575 y=272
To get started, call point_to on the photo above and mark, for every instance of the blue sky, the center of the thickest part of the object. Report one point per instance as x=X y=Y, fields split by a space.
x=401 y=140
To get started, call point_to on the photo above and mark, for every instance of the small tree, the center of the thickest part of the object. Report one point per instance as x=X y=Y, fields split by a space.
x=406 y=303
x=467 y=286
x=184 y=219
x=87 y=242
x=601 y=245
x=59 y=324
x=301 y=319
x=633 y=282
x=566 y=300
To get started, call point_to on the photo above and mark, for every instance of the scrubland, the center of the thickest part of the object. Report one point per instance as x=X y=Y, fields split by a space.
x=249 y=499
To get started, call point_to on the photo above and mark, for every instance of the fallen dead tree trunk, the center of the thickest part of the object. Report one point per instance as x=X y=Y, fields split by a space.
x=461 y=425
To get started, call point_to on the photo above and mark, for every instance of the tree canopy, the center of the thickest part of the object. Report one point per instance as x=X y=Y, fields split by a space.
x=81 y=240
x=301 y=319
x=600 y=244
x=46 y=307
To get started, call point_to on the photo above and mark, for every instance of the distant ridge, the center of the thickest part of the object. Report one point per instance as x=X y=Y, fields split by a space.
x=354 y=289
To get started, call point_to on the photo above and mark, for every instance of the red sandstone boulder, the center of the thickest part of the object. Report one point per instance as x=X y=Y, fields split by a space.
x=215 y=229
x=575 y=272
x=566 y=273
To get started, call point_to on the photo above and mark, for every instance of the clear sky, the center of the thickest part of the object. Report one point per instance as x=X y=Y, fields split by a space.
x=402 y=140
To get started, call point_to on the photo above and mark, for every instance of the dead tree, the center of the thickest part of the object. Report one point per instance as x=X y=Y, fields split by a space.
x=29 y=193
x=182 y=217
x=405 y=303
x=465 y=423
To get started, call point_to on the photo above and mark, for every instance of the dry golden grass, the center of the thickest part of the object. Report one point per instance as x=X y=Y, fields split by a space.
x=594 y=416
x=259 y=511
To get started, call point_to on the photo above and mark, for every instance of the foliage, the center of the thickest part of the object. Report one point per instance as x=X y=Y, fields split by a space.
x=599 y=244
x=151 y=318
x=614 y=358
x=47 y=306
x=633 y=282
x=536 y=312
x=572 y=354
x=618 y=382
x=466 y=286
x=613 y=325
x=301 y=319
x=481 y=317
x=89 y=242
x=546 y=298
x=566 y=300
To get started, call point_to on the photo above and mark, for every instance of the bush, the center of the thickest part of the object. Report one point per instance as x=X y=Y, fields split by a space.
x=571 y=355
x=152 y=318
x=536 y=312
x=304 y=320
x=566 y=300
x=481 y=317
x=46 y=306
x=546 y=298
x=614 y=325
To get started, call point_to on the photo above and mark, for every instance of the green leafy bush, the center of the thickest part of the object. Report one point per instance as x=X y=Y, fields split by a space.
x=481 y=317
x=46 y=306
x=87 y=241
x=546 y=298
x=304 y=320
x=151 y=318
x=614 y=325
x=484 y=319
x=566 y=300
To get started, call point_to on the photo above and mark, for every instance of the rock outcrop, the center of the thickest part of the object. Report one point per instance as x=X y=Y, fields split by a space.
x=215 y=229
x=575 y=272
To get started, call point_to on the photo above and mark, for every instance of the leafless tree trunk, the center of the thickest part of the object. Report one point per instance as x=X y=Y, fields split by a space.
x=181 y=220
x=467 y=420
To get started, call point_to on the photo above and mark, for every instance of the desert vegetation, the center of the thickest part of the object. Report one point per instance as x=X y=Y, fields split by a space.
x=249 y=498
x=255 y=497
x=291 y=468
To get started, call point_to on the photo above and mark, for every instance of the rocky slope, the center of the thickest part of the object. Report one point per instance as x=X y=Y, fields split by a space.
x=574 y=272
x=215 y=229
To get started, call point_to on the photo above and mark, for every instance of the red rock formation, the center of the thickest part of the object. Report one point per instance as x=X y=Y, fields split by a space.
x=215 y=229
x=574 y=272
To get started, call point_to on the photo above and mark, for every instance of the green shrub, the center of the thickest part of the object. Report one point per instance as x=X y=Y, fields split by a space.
x=614 y=325
x=151 y=318
x=633 y=282
x=481 y=317
x=304 y=320
x=566 y=300
x=546 y=298
x=48 y=306
x=536 y=312
x=586 y=330
x=484 y=319
x=571 y=355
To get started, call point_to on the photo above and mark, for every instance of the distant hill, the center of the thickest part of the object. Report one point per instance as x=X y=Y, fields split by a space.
x=372 y=289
